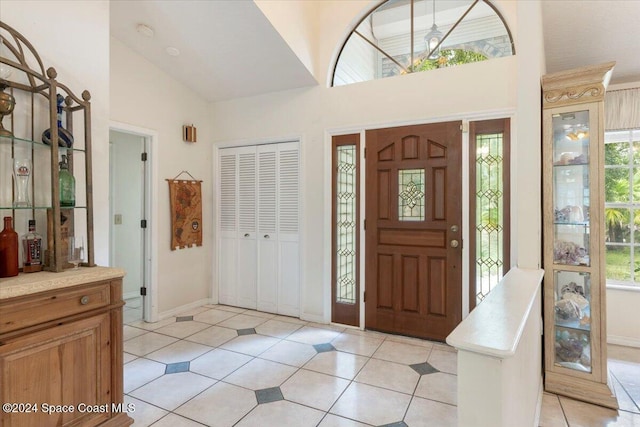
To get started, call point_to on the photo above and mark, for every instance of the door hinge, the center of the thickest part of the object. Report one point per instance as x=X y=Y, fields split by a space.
x=143 y=291
x=365 y=224
x=365 y=152
x=143 y=223
x=143 y=157
x=364 y=296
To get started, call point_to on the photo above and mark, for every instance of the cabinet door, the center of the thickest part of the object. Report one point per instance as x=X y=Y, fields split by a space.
x=65 y=365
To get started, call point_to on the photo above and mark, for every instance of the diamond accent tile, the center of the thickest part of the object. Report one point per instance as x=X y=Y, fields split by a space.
x=184 y=318
x=424 y=368
x=247 y=331
x=321 y=348
x=267 y=395
x=174 y=368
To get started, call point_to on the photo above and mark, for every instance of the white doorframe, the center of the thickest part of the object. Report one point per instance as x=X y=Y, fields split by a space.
x=151 y=207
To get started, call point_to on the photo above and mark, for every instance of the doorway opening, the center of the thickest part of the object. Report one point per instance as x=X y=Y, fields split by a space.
x=130 y=216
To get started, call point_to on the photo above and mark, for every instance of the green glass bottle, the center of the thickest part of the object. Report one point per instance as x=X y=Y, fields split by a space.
x=67 y=184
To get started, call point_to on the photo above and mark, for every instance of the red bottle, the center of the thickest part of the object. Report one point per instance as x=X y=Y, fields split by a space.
x=8 y=250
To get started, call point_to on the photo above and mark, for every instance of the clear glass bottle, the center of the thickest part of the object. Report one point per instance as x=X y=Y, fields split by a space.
x=67 y=184
x=32 y=249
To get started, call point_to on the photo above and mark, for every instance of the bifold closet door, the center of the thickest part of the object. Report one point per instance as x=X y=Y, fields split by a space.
x=267 y=229
x=238 y=249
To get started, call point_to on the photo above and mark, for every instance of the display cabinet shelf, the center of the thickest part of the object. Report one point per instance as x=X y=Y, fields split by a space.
x=573 y=212
x=38 y=102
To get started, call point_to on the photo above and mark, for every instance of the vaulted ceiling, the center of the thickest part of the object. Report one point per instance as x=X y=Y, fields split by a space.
x=229 y=49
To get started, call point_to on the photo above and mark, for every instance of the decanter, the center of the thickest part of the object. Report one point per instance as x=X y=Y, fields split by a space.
x=65 y=139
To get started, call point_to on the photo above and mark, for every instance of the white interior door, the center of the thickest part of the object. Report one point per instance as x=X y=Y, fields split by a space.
x=228 y=226
x=247 y=246
x=267 y=229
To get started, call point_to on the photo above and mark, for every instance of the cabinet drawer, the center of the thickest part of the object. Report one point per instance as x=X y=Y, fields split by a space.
x=52 y=306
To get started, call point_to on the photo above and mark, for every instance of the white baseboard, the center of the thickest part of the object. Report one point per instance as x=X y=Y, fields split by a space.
x=625 y=341
x=183 y=308
x=313 y=318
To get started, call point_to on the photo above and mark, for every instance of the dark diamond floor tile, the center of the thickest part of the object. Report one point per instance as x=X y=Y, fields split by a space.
x=424 y=368
x=321 y=348
x=267 y=395
x=397 y=424
x=184 y=318
x=174 y=368
x=248 y=331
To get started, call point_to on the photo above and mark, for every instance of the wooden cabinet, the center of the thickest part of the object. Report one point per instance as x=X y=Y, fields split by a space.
x=573 y=205
x=61 y=350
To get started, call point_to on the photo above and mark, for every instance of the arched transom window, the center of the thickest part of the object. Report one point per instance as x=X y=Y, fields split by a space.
x=408 y=36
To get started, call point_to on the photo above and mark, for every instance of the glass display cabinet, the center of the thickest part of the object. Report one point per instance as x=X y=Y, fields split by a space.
x=574 y=281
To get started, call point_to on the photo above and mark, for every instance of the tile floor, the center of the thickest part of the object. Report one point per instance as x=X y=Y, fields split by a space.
x=225 y=366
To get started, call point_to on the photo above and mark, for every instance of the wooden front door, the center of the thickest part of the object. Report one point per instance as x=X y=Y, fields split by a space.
x=413 y=271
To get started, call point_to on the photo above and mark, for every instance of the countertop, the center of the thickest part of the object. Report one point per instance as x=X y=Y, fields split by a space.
x=31 y=283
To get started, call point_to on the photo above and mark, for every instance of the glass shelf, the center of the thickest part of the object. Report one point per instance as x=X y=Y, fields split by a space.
x=577 y=224
x=39 y=207
x=8 y=140
x=573 y=349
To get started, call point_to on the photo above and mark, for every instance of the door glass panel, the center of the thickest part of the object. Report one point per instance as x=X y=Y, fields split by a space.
x=411 y=187
x=346 y=224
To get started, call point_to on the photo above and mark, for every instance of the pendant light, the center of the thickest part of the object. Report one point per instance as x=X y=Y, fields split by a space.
x=433 y=37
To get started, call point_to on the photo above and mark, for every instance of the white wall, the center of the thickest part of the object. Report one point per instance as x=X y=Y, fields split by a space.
x=142 y=95
x=73 y=37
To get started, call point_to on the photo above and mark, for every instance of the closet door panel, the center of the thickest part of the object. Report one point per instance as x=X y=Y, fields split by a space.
x=228 y=226
x=288 y=228
x=267 y=229
x=247 y=246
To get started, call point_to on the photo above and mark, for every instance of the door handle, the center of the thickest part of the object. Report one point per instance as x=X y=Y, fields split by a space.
x=246 y=234
x=266 y=236
x=455 y=243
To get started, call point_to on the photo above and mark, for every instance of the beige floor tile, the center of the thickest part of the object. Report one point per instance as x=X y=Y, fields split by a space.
x=401 y=352
x=427 y=413
x=410 y=340
x=147 y=343
x=229 y=308
x=328 y=326
x=444 y=347
x=259 y=374
x=389 y=375
x=218 y=363
x=182 y=329
x=357 y=344
x=551 y=414
x=140 y=372
x=337 y=363
x=173 y=420
x=214 y=336
x=313 y=335
x=371 y=405
x=213 y=316
x=580 y=414
x=181 y=351
x=335 y=421
x=129 y=332
x=171 y=391
x=221 y=405
x=192 y=311
x=625 y=402
x=143 y=414
x=277 y=328
x=252 y=345
x=149 y=326
x=242 y=321
x=290 y=319
x=281 y=413
x=290 y=353
x=313 y=389
x=444 y=361
x=439 y=386
x=128 y=357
